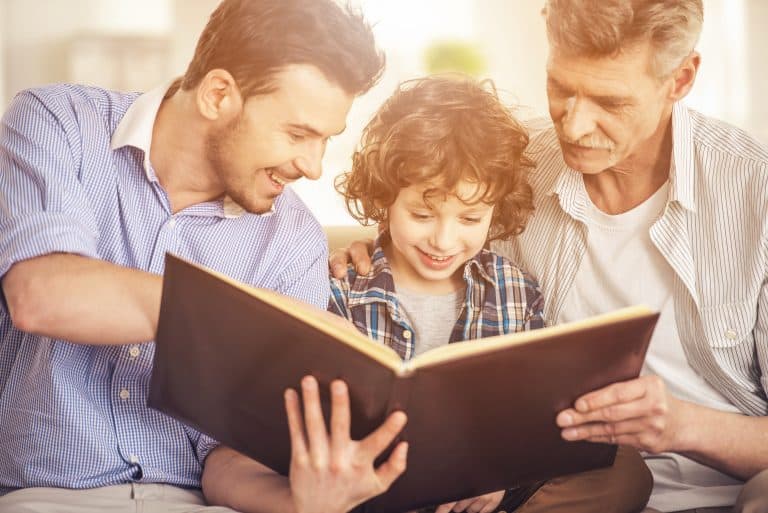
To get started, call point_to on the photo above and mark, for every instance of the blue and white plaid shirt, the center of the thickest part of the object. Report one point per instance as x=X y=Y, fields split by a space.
x=75 y=177
x=499 y=298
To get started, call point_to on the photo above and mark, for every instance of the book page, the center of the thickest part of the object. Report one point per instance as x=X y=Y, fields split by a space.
x=461 y=349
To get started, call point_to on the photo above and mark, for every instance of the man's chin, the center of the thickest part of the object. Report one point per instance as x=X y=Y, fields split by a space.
x=262 y=206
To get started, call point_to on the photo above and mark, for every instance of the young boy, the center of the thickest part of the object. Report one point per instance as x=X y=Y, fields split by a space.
x=441 y=169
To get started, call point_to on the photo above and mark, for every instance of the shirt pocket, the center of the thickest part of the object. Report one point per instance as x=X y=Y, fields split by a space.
x=729 y=324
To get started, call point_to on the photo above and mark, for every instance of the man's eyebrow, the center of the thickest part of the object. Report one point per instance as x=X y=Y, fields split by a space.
x=609 y=99
x=310 y=130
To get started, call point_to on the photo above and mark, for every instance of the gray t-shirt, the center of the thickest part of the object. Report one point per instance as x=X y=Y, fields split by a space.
x=431 y=317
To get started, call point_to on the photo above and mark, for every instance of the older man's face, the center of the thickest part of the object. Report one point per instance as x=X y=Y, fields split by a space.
x=606 y=110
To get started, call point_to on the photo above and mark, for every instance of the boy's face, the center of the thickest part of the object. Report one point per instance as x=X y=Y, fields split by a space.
x=432 y=242
x=278 y=137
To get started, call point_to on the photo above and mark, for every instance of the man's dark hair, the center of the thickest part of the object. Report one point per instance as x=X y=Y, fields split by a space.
x=254 y=39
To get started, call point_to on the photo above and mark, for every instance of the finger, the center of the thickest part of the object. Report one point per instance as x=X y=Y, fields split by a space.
x=478 y=505
x=606 y=432
x=373 y=444
x=463 y=504
x=490 y=506
x=337 y=262
x=394 y=466
x=317 y=435
x=339 y=419
x=637 y=409
x=295 y=425
x=445 y=508
x=360 y=256
x=612 y=394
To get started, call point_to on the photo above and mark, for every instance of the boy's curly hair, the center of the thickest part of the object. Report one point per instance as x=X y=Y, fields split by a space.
x=442 y=130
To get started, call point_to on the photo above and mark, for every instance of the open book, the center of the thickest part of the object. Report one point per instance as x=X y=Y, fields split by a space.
x=481 y=414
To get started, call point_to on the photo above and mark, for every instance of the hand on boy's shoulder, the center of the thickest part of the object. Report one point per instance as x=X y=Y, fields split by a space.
x=358 y=253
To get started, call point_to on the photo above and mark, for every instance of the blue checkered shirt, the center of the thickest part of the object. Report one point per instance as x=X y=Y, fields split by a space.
x=499 y=298
x=75 y=416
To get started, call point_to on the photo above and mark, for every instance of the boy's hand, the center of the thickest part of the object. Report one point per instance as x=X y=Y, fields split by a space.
x=359 y=253
x=333 y=473
x=482 y=504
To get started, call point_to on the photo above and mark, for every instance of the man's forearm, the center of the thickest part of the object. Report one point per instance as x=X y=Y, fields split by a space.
x=233 y=480
x=83 y=300
x=732 y=443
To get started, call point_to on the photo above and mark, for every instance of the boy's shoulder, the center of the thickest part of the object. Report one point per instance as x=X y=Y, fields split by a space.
x=502 y=271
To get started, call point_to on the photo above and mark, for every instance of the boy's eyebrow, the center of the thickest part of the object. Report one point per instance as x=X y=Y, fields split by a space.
x=311 y=130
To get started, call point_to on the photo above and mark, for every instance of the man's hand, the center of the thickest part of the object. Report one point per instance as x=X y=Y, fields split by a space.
x=358 y=253
x=333 y=473
x=639 y=412
x=482 y=504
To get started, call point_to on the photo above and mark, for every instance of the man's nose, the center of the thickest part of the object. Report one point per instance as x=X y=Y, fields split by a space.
x=578 y=120
x=309 y=163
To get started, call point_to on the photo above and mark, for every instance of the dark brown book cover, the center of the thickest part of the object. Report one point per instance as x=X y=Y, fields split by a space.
x=481 y=414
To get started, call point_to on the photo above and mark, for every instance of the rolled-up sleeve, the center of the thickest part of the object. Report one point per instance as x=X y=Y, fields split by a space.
x=43 y=207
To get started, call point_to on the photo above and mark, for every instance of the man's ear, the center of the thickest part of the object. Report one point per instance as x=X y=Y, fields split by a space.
x=684 y=76
x=218 y=96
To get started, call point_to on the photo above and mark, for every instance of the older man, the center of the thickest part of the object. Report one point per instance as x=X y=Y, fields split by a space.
x=641 y=200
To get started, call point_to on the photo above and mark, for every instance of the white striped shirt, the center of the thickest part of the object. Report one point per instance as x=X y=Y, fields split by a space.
x=713 y=233
x=73 y=415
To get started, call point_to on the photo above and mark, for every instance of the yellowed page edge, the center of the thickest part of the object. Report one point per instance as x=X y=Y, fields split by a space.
x=479 y=346
x=315 y=318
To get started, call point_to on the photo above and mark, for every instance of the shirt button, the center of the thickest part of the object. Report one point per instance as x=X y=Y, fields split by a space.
x=406 y=334
x=172 y=223
x=124 y=394
x=134 y=352
x=730 y=334
x=133 y=459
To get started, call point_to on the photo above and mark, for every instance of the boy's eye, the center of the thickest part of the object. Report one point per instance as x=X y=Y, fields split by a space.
x=472 y=220
x=420 y=216
x=297 y=137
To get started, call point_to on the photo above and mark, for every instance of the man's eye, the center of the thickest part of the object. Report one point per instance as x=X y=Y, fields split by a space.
x=472 y=220
x=420 y=216
x=297 y=137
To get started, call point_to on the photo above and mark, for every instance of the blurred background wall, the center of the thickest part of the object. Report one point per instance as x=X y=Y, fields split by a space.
x=138 y=44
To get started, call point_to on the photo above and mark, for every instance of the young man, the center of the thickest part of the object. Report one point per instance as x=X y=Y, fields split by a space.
x=641 y=200
x=97 y=186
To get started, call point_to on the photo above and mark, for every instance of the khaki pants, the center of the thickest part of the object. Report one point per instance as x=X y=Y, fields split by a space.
x=752 y=499
x=621 y=488
x=127 y=498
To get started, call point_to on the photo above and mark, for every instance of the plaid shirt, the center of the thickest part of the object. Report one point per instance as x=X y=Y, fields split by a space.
x=499 y=298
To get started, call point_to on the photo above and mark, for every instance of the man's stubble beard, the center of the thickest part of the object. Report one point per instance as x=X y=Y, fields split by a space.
x=215 y=150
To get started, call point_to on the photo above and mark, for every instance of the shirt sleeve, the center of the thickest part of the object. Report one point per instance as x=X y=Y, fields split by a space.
x=205 y=444
x=761 y=329
x=306 y=277
x=43 y=207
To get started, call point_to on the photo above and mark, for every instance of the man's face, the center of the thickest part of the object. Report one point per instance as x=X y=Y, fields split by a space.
x=278 y=138
x=606 y=110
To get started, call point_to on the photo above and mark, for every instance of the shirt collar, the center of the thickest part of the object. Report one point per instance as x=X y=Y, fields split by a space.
x=135 y=129
x=683 y=167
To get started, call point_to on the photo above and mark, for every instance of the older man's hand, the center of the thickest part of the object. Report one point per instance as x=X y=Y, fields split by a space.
x=640 y=412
